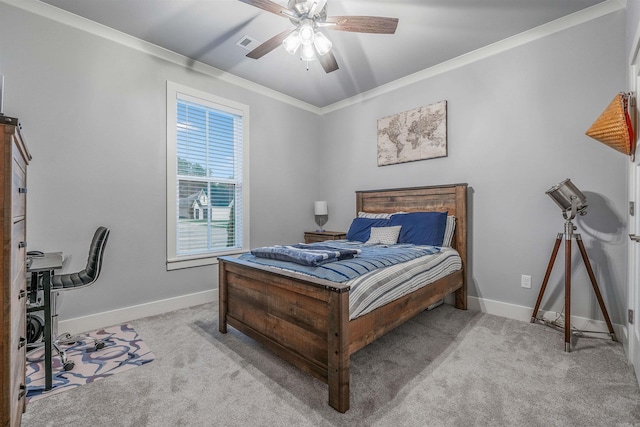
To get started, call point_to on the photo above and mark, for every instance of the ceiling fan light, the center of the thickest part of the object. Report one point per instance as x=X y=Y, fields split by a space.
x=307 y=53
x=292 y=42
x=306 y=34
x=322 y=43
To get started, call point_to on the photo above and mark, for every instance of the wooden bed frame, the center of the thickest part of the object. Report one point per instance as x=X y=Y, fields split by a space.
x=305 y=320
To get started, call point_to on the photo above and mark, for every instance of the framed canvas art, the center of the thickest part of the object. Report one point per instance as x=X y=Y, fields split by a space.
x=412 y=135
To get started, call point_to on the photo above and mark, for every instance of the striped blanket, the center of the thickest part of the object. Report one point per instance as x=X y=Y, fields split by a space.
x=370 y=258
x=376 y=289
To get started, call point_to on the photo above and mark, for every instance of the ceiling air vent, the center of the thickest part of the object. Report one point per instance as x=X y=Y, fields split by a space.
x=248 y=43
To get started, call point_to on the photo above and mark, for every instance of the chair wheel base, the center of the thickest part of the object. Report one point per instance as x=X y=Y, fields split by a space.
x=68 y=366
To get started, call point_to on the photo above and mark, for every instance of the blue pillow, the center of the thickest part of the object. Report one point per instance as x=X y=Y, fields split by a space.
x=421 y=228
x=361 y=228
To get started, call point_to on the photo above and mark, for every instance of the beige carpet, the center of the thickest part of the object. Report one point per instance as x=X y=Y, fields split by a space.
x=444 y=368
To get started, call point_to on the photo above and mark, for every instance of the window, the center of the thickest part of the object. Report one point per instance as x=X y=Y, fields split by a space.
x=207 y=177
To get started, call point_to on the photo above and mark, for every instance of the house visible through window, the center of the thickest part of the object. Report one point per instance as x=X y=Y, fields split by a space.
x=206 y=138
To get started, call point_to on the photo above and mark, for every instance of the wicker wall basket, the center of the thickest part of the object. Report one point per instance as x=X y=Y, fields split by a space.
x=613 y=127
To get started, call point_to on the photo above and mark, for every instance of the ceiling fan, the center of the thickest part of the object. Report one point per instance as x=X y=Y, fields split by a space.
x=309 y=16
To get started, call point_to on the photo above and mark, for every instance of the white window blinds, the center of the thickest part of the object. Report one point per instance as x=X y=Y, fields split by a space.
x=209 y=178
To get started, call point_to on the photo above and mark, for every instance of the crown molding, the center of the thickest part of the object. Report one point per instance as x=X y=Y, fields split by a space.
x=75 y=21
x=62 y=16
x=569 y=21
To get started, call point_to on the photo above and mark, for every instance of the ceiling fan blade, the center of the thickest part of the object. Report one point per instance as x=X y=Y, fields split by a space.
x=363 y=24
x=269 y=45
x=328 y=62
x=269 y=6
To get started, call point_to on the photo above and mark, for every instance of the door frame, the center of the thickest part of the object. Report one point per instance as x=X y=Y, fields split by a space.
x=633 y=172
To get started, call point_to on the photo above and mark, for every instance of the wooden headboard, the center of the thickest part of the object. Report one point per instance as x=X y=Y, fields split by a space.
x=450 y=198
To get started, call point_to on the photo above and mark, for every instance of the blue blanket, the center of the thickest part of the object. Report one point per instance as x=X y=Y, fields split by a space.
x=311 y=255
x=371 y=257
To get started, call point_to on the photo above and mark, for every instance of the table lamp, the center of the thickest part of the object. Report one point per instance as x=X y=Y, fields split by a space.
x=321 y=212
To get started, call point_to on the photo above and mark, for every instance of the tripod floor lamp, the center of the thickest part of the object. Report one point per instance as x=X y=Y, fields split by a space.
x=572 y=202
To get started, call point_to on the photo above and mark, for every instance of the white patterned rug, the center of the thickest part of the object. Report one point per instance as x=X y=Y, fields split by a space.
x=123 y=350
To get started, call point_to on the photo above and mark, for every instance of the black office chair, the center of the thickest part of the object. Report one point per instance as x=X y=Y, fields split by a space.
x=81 y=279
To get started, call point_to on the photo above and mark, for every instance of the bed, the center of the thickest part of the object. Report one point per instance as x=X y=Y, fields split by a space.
x=305 y=320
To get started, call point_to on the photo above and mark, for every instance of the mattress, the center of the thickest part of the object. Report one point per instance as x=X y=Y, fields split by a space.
x=382 y=274
x=370 y=258
x=379 y=287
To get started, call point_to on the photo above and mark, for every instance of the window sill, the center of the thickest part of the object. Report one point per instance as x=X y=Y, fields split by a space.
x=197 y=261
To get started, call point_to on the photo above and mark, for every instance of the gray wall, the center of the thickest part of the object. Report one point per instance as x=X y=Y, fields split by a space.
x=633 y=19
x=516 y=124
x=93 y=112
x=94 y=116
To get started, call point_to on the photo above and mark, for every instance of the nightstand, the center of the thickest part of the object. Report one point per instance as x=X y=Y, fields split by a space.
x=321 y=236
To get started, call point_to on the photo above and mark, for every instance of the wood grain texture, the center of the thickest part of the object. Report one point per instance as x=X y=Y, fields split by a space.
x=442 y=198
x=321 y=236
x=13 y=203
x=328 y=61
x=305 y=320
x=269 y=6
x=363 y=24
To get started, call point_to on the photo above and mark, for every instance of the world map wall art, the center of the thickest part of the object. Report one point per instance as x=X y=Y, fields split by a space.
x=417 y=134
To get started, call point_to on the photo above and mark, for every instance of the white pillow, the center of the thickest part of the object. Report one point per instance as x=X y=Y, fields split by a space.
x=384 y=235
x=374 y=215
x=448 y=231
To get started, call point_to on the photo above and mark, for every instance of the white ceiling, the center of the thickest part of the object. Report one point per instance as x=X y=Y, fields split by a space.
x=429 y=32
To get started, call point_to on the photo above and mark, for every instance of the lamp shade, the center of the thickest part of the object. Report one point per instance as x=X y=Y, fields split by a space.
x=320 y=208
x=306 y=34
x=565 y=193
x=292 y=42
x=322 y=44
x=307 y=53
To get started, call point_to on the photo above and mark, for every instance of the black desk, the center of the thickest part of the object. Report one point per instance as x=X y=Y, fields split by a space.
x=45 y=265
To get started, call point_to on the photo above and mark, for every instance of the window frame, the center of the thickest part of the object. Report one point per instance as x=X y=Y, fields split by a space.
x=174 y=90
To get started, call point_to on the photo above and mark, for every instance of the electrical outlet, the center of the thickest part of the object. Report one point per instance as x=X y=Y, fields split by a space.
x=525 y=281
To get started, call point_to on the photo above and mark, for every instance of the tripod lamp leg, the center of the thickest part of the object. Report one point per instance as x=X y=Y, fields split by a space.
x=567 y=294
x=554 y=253
x=596 y=289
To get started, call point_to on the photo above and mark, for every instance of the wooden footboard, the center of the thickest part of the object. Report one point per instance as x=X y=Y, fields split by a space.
x=305 y=320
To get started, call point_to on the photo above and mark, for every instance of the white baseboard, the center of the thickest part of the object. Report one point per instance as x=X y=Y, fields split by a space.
x=519 y=312
x=127 y=314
